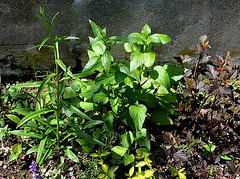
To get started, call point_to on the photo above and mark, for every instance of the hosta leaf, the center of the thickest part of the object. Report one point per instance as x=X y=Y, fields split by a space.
x=138 y=113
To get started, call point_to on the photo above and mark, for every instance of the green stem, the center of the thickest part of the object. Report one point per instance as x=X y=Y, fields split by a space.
x=57 y=113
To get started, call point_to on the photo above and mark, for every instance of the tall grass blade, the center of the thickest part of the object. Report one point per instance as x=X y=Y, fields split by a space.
x=34 y=114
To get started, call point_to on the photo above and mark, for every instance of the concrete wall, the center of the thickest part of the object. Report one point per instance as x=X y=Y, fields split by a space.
x=183 y=20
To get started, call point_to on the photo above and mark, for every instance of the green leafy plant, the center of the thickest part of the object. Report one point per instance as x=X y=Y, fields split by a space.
x=140 y=173
x=181 y=174
x=51 y=101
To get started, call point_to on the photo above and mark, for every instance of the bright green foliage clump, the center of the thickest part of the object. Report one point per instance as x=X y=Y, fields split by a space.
x=111 y=112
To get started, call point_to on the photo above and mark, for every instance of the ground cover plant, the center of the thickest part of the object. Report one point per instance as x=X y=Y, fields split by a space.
x=124 y=118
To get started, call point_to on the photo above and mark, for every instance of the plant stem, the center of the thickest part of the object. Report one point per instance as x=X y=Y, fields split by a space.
x=57 y=113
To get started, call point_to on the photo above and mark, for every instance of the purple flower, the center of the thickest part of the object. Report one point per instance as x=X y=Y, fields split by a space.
x=36 y=172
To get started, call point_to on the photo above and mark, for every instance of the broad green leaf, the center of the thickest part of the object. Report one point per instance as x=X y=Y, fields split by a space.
x=92 y=64
x=69 y=93
x=105 y=168
x=99 y=48
x=142 y=152
x=137 y=59
x=13 y=118
x=160 y=75
x=16 y=151
x=127 y=139
x=89 y=106
x=138 y=113
x=44 y=83
x=76 y=85
x=150 y=59
x=71 y=155
x=174 y=72
x=64 y=68
x=86 y=146
x=128 y=47
x=34 y=114
x=25 y=133
x=161 y=118
x=128 y=159
x=96 y=29
x=41 y=149
x=146 y=31
x=120 y=151
x=106 y=61
x=100 y=98
x=158 y=39
x=114 y=39
x=134 y=38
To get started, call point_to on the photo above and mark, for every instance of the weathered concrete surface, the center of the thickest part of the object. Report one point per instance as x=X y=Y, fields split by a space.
x=183 y=20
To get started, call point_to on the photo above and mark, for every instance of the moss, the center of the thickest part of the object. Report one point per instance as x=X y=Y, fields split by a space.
x=43 y=58
x=186 y=52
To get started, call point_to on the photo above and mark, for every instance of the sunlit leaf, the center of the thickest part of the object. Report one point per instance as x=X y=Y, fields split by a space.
x=71 y=155
x=138 y=114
